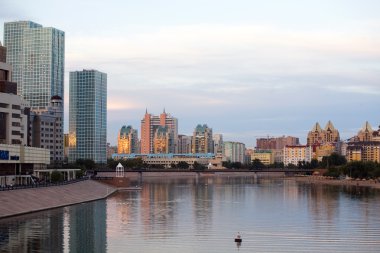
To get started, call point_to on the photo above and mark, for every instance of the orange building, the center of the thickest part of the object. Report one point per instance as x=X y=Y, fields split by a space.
x=149 y=126
x=318 y=136
x=127 y=141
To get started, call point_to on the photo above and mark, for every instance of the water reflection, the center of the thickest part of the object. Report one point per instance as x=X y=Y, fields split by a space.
x=87 y=227
x=79 y=228
x=203 y=215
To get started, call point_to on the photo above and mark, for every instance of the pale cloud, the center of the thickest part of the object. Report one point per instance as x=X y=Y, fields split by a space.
x=215 y=55
x=363 y=89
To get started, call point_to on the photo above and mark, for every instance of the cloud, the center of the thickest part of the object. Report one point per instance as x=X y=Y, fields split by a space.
x=234 y=78
x=232 y=58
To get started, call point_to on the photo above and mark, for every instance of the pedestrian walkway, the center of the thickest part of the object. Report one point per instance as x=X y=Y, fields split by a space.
x=36 y=199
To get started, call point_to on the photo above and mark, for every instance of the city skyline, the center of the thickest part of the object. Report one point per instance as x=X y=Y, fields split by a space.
x=248 y=69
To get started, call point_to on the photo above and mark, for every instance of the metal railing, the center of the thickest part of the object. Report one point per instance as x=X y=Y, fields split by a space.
x=41 y=184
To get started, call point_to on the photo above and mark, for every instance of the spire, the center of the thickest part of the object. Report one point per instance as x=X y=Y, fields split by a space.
x=317 y=128
x=330 y=126
x=146 y=110
x=164 y=110
x=367 y=127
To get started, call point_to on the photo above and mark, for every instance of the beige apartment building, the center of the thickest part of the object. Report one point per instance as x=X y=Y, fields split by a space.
x=365 y=146
x=295 y=154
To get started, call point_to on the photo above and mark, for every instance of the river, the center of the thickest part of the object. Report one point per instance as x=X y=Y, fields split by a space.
x=204 y=215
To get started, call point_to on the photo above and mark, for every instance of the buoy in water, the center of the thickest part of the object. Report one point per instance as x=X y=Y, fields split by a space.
x=238 y=238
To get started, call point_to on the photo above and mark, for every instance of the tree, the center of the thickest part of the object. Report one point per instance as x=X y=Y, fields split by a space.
x=183 y=165
x=277 y=165
x=333 y=160
x=88 y=164
x=56 y=176
x=257 y=164
x=291 y=166
x=198 y=166
x=236 y=165
x=227 y=164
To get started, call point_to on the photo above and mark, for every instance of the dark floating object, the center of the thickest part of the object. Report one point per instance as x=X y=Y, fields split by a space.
x=238 y=238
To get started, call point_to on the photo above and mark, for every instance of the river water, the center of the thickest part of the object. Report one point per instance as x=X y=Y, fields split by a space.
x=204 y=215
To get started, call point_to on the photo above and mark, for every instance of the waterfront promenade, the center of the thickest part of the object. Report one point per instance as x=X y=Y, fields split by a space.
x=23 y=201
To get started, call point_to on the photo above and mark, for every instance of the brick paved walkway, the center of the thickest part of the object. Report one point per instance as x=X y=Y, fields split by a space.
x=36 y=199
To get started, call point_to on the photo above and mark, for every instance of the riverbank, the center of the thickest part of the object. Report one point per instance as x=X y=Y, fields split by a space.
x=345 y=182
x=24 y=201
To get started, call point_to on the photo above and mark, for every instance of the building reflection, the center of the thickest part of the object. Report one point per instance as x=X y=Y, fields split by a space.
x=32 y=233
x=323 y=202
x=88 y=227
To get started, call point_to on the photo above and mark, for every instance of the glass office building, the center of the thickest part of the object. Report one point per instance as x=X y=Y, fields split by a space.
x=88 y=116
x=37 y=55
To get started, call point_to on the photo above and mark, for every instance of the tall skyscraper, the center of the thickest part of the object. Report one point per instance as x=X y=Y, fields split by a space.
x=37 y=55
x=88 y=116
x=202 y=140
x=150 y=124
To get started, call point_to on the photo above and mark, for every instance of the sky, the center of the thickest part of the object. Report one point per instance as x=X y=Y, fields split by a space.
x=246 y=68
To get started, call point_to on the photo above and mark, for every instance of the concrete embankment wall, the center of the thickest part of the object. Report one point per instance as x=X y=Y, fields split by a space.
x=23 y=201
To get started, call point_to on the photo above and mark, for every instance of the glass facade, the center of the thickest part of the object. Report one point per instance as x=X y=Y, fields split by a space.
x=88 y=116
x=37 y=55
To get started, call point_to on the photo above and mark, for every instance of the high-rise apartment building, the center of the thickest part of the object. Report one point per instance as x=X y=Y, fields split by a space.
x=88 y=116
x=202 y=141
x=150 y=124
x=162 y=140
x=234 y=151
x=37 y=55
x=184 y=144
x=366 y=133
x=365 y=146
x=295 y=154
x=218 y=143
x=127 y=141
x=323 y=141
x=319 y=136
